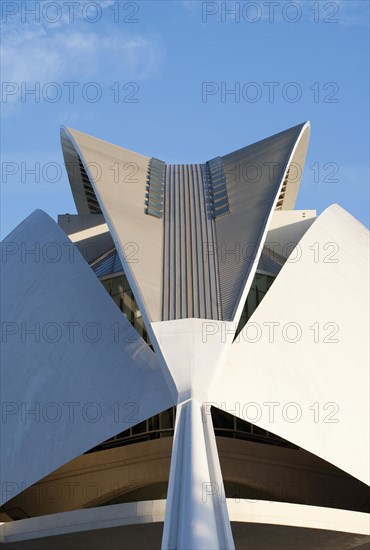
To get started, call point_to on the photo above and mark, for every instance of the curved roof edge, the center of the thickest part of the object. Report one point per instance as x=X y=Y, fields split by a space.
x=44 y=369
x=79 y=173
x=298 y=150
x=82 y=190
x=310 y=373
x=87 y=203
x=292 y=181
x=323 y=521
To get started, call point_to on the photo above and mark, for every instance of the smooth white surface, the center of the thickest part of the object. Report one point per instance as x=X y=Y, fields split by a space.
x=88 y=232
x=262 y=512
x=325 y=288
x=83 y=520
x=237 y=231
x=85 y=384
x=298 y=515
x=121 y=188
x=138 y=237
x=193 y=353
x=195 y=519
x=286 y=229
x=331 y=292
x=296 y=166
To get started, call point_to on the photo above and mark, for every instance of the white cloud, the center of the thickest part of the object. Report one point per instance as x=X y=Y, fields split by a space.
x=34 y=53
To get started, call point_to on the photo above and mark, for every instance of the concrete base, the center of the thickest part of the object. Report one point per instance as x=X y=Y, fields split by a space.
x=255 y=525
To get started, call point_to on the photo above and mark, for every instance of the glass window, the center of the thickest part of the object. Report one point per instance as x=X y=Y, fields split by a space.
x=153 y=423
x=107 y=284
x=117 y=290
x=259 y=287
x=139 y=428
x=166 y=419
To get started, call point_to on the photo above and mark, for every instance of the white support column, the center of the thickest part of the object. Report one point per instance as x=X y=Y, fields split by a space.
x=196 y=513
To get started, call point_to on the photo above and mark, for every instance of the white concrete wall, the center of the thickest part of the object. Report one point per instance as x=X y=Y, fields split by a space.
x=314 y=365
x=84 y=374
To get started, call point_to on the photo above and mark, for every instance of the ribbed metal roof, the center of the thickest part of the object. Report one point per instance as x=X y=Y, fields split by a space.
x=190 y=281
x=190 y=235
x=254 y=178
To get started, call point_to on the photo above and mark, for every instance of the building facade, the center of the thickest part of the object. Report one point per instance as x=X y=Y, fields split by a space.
x=185 y=360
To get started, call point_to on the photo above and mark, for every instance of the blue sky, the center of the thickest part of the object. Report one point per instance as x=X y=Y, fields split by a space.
x=172 y=62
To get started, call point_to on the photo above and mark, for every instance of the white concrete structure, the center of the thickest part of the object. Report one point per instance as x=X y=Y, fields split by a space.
x=245 y=317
